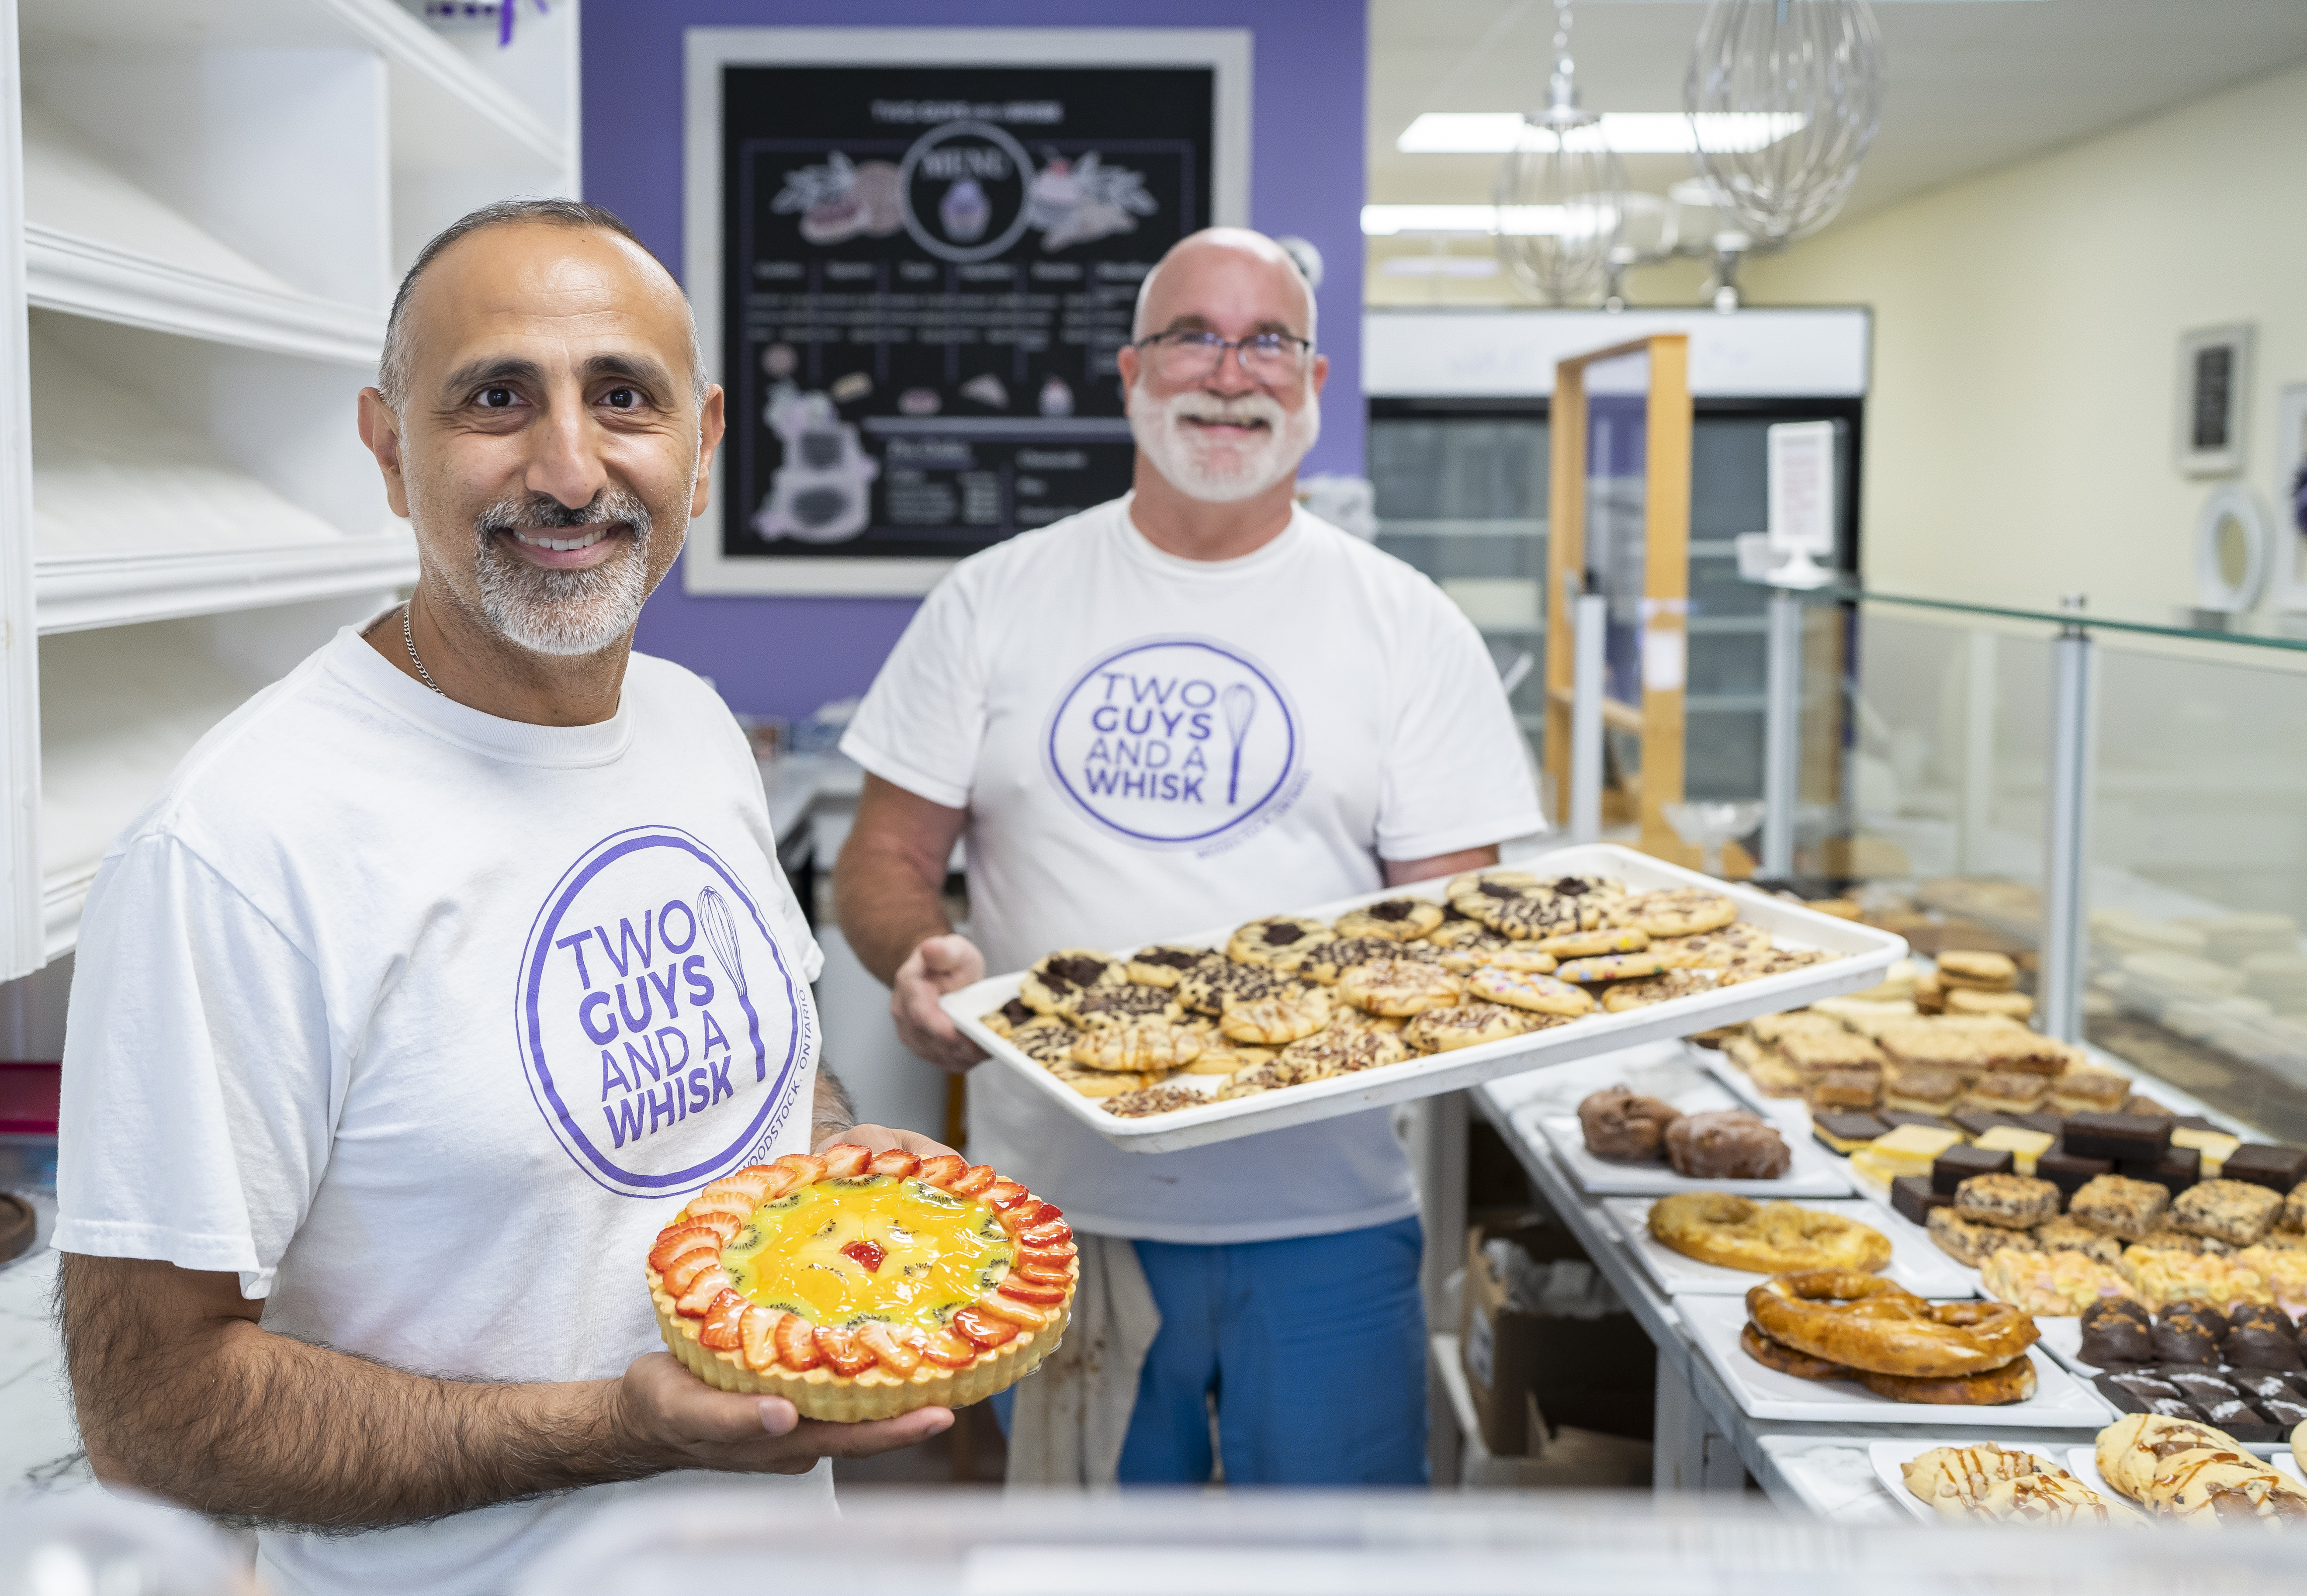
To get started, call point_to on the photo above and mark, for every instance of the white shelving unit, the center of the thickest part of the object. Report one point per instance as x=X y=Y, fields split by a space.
x=205 y=207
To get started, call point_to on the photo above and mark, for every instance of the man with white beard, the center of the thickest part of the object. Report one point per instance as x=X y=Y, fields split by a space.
x=437 y=976
x=1190 y=706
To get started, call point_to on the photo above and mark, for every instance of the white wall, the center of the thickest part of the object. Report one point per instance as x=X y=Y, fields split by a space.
x=2019 y=431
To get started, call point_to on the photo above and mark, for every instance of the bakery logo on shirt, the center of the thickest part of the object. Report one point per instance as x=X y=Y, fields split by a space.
x=1176 y=743
x=666 y=1038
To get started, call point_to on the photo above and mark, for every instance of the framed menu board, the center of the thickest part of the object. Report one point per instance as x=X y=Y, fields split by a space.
x=913 y=254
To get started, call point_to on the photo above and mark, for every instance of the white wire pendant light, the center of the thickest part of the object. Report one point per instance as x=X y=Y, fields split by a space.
x=1816 y=67
x=1558 y=212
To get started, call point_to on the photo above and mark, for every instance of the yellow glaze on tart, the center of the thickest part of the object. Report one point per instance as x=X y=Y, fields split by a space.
x=862 y=1285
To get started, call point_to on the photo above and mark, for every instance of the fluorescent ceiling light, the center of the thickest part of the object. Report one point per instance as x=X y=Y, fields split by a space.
x=1628 y=133
x=1382 y=222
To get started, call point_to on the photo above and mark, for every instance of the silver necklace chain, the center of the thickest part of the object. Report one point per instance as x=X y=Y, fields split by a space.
x=408 y=636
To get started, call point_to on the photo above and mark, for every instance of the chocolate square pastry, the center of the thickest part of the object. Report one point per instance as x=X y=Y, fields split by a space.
x=1977 y=1123
x=2127 y=1400
x=2240 y=1419
x=2261 y=1384
x=1957 y=1165
x=1894 y=1118
x=2190 y=1122
x=2286 y=1410
x=2144 y=1384
x=2201 y=1388
x=1913 y=1198
x=2139 y=1137
x=2279 y=1169
x=2179 y=1169
x=2068 y=1172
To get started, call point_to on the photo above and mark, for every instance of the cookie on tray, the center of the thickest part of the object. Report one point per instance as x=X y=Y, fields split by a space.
x=1395 y=919
x=1277 y=942
x=1474 y=880
x=1007 y=1018
x=1057 y=978
x=2012 y=1202
x=1620 y=967
x=1125 y=1005
x=1162 y=966
x=1102 y=1083
x=1346 y=1051
x=1398 y=987
x=1156 y=1099
x=1143 y=1046
x=1330 y=961
x=1678 y=911
x=1770 y=961
x=1530 y=916
x=1714 y=949
x=1045 y=1039
x=1205 y=988
x=1540 y=994
x=1472 y=952
x=2120 y=1206
x=1622 y=996
x=1593 y=944
x=2235 y=1212
x=1275 y=1021
x=1222 y=1056
x=1468 y=1023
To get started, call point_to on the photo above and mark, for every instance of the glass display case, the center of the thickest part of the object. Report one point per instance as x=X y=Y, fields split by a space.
x=2162 y=884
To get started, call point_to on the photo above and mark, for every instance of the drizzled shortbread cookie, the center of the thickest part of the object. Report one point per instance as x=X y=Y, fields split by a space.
x=1532 y=916
x=1622 y=966
x=1473 y=950
x=1398 y=987
x=1272 y=1021
x=1140 y=1047
x=1715 y=949
x=1007 y=1018
x=1128 y=1004
x=1474 y=880
x=1277 y=942
x=1395 y=919
x=1333 y=959
x=1466 y=1025
x=1593 y=944
x=1155 y=1100
x=1680 y=911
x=1057 y=978
x=1220 y=1056
x=1656 y=988
x=1205 y=988
x=1045 y=1039
x=1540 y=994
x=1774 y=961
x=1162 y=966
x=1102 y=1083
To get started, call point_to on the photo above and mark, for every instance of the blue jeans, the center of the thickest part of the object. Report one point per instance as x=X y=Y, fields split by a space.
x=1312 y=1350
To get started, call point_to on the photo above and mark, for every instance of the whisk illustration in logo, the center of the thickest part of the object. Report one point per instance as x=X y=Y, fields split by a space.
x=1176 y=742
x=664 y=1036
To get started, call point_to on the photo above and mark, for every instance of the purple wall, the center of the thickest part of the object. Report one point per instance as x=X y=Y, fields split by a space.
x=787 y=655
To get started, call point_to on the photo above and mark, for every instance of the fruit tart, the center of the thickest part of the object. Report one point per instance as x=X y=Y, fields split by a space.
x=862 y=1285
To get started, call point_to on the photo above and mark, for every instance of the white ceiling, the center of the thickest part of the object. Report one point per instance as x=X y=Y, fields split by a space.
x=1974 y=84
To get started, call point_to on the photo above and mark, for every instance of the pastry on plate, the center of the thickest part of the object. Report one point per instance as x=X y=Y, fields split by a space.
x=2064 y=1235
x=1622 y=996
x=1142 y=1046
x=1540 y=994
x=1205 y=988
x=1164 y=966
x=1967 y=1241
x=862 y=1285
x=2120 y=1206
x=1056 y=979
x=1625 y=1127
x=1395 y=919
x=2049 y=1283
x=2131 y=1451
x=2236 y=1212
x=1128 y=1004
x=1278 y=942
x=1726 y=1145
x=1985 y=1483
x=1715 y=1227
x=2013 y=1202
x=2117 y=1330
x=1676 y=912
x=1275 y=1021
x=1329 y=963
x=1398 y=987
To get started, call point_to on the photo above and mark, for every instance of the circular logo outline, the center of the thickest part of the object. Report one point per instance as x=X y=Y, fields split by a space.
x=1009 y=146
x=528 y=1023
x=1290 y=760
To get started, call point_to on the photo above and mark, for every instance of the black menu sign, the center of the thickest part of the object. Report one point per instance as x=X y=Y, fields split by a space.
x=926 y=274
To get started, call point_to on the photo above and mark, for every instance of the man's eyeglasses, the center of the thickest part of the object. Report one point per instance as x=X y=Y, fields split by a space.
x=1265 y=357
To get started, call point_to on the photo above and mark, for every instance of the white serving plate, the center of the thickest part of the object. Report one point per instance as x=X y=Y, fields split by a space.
x=2082 y=1462
x=2060 y=1401
x=1865 y=954
x=2063 y=1338
x=1915 y=1263
x=1889 y=1457
x=1811 y=1173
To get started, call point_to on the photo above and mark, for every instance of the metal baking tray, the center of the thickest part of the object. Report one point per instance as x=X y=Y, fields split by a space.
x=1866 y=953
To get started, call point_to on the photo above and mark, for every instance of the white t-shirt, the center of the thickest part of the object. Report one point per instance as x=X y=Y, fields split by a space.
x=423 y=1022
x=1149 y=746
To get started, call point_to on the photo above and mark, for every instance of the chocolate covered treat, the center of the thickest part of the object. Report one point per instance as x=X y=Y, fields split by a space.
x=1727 y=1145
x=2134 y=1137
x=1977 y=1123
x=2144 y=1383
x=2125 y=1400
x=1952 y=1167
x=2212 y=1318
x=2280 y=1170
x=1894 y=1118
x=2236 y=1212
x=2255 y=1346
x=2120 y=1206
x=2183 y=1338
x=2201 y=1385
x=2069 y=1173
x=1913 y=1198
x=1625 y=1127
x=2012 y=1202
x=1845 y=1133
x=2258 y=1313
x=2177 y=1170
x=2113 y=1333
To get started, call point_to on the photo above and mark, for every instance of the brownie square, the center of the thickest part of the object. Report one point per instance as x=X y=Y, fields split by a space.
x=2190 y=1122
x=2279 y=1169
x=1837 y=1132
x=1957 y=1165
x=2179 y=1169
x=1913 y=1200
x=2049 y=1124
x=2283 y=1411
x=2118 y=1137
x=1978 y=1122
x=2068 y=1172
x=2127 y=1401
x=1894 y=1118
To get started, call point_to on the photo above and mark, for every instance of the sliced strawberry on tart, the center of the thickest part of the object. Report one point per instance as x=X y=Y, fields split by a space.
x=862 y=1284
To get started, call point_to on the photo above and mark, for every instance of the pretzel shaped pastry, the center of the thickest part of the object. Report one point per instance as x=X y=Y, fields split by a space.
x=862 y=1285
x=1877 y=1327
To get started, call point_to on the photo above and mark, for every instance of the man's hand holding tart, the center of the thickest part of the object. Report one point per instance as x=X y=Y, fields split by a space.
x=861 y=1285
